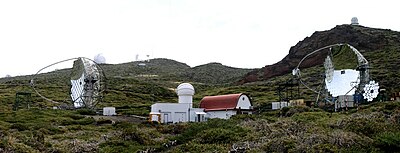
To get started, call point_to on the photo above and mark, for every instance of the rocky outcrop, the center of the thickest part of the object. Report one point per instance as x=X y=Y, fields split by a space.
x=363 y=38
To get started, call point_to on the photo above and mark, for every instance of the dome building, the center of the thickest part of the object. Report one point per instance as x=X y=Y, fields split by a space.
x=354 y=21
x=100 y=59
x=221 y=106
x=182 y=111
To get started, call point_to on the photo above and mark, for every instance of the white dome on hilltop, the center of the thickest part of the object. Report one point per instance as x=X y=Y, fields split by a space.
x=354 y=21
x=185 y=89
x=99 y=59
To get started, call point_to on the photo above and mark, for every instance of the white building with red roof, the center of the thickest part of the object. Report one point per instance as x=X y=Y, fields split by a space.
x=222 y=106
x=225 y=106
x=182 y=111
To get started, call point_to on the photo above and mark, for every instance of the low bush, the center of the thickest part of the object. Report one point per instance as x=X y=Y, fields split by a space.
x=173 y=128
x=102 y=121
x=196 y=147
x=367 y=124
x=84 y=121
x=388 y=141
x=119 y=146
x=309 y=116
x=75 y=116
x=217 y=136
x=19 y=126
x=194 y=129
x=290 y=111
x=86 y=112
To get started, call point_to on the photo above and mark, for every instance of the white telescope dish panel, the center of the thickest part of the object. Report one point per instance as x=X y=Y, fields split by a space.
x=77 y=91
x=343 y=81
x=85 y=89
x=90 y=68
x=92 y=85
x=328 y=69
x=371 y=90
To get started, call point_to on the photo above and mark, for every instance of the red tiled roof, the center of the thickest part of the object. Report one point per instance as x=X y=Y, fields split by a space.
x=221 y=102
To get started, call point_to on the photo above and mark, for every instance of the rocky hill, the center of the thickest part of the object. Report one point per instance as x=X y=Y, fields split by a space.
x=215 y=73
x=160 y=68
x=379 y=46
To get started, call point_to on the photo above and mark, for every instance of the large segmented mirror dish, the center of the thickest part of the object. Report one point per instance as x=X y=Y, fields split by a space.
x=328 y=69
x=343 y=82
x=371 y=90
x=85 y=83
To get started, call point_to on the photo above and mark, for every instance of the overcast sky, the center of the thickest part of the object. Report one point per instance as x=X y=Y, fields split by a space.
x=245 y=34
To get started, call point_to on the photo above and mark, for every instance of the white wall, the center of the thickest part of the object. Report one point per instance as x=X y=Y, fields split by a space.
x=221 y=114
x=244 y=102
x=279 y=105
x=109 y=111
x=193 y=116
x=172 y=112
x=185 y=99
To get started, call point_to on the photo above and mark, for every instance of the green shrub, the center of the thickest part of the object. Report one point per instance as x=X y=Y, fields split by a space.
x=75 y=116
x=290 y=111
x=103 y=121
x=75 y=128
x=135 y=134
x=120 y=146
x=281 y=144
x=367 y=124
x=84 y=121
x=196 y=147
x=217 y=136
x=19 y=126
x=86 y=112
x=388 y=141
x=54 y=130
x=36 y=141
x=242 y=117
x=325 y=148
x=309 y=116
x=194 y=129
x=392 y=105
x=274 y=113
x=173 y=128
x=122 y=125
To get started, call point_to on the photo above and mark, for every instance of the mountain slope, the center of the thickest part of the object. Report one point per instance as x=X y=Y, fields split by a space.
x=215 y=73
x=131 y=87
x=379 y=46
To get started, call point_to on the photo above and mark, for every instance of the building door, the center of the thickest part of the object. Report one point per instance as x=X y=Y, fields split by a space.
x=165 y=120
x=200 y=118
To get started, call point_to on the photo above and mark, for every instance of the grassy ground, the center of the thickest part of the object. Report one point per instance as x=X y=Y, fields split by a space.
x=372 y=128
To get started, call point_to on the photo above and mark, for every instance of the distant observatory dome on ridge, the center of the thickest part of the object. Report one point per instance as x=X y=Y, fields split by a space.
x=354 y=21
x=100 y=59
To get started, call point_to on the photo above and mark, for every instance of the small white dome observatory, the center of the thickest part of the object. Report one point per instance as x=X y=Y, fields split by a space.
x=185 y=93
x=354 y=21
x=99 y=59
